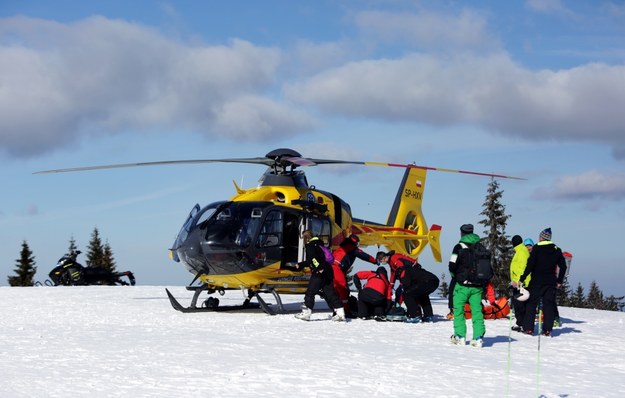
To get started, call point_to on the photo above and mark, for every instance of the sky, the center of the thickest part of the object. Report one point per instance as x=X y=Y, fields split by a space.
x=532 y=89
x=128 y=341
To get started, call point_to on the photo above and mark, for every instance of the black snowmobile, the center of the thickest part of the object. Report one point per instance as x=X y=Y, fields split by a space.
x=68 y=272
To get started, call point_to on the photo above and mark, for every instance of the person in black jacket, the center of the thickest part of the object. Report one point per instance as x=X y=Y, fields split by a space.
x=541 y=264
x=321 y=280
x=417 y=284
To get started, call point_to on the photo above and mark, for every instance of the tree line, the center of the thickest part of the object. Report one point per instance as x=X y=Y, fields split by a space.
x=495 y=222
x=98 y=255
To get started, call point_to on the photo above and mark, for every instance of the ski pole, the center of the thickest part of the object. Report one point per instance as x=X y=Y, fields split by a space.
x=509 y=350
x=540 y=328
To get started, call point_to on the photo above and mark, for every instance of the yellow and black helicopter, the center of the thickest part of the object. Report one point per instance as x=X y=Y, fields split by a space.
x=252 y=241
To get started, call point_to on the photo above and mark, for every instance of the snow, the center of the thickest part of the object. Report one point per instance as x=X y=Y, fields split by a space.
x=120 y=341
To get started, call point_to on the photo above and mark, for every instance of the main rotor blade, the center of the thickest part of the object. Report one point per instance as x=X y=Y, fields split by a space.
x=289 y=160
x=414 y=166
x=265 y=161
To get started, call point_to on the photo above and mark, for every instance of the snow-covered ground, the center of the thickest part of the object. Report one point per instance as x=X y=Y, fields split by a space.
x=128 y=342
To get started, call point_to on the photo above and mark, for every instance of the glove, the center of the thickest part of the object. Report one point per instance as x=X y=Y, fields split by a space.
x=357 y=284
x=486 y=303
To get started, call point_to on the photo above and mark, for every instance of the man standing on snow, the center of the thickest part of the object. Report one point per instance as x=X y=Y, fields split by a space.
x=321 y=279
x=543 y=259
x=465 y=291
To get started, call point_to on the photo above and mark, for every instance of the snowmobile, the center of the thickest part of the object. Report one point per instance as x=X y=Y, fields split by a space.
x=68 y=272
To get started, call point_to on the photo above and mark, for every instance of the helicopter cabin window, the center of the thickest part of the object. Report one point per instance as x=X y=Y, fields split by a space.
x=320 y=227
x=271 y=230
x=249 y=226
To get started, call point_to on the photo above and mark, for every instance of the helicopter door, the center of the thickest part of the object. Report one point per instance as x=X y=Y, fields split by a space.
x=292 y=250
x=320 y=227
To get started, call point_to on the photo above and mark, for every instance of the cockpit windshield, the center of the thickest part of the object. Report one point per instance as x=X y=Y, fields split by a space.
x=195 y=218
x=238 y=224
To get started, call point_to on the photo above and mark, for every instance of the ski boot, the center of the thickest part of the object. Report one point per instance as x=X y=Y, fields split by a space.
x=339 y=315
x=457 y=340
x=477 y=343
x=305 y=314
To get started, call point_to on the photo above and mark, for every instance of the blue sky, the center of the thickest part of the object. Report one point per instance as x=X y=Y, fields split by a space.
x=534 y=89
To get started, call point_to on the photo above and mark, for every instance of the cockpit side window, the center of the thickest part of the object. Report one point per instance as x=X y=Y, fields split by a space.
x=320 y=227
x=271 y=230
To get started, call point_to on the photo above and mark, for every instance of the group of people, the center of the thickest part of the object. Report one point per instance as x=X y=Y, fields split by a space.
x=328 y=278
x=536 y=272
x=375 y=297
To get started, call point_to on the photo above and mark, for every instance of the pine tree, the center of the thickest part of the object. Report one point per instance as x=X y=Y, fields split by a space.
x=578 y=298
x=563 y=294
x=95 y=250
x=444 y=287
x=595 y=297
x=496 y=240
x=25 y=270
x=72 y=245
x=108 y=261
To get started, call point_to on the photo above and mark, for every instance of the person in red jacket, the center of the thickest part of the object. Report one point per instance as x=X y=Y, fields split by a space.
x=375 y=298
x=416 y=284
x=344 y=257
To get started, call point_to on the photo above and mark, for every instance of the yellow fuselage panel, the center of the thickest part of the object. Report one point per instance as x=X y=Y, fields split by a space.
x=271 y=276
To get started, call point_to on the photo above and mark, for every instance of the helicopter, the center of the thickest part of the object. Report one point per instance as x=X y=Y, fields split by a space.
x=253 y=241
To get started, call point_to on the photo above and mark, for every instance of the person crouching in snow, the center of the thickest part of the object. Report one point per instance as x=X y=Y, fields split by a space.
x=321 y=279
x=375 y=298
x=416 y=285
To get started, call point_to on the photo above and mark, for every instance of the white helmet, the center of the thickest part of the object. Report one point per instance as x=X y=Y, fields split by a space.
x=522 y=295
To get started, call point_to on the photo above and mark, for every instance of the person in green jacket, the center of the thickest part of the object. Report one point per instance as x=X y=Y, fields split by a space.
x=517 y=267
x=464 y=291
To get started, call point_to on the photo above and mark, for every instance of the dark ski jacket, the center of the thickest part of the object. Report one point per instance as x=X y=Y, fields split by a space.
x=465 y=241
x=542 y=264
x=416 y=281
x=316 y=260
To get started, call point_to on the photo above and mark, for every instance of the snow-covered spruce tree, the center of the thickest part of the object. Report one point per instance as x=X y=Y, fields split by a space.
x=95 y=250
x=108 y=262
x=25 y=268
x=496 y=241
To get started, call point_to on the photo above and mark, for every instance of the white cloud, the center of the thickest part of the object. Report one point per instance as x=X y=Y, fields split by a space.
x=586 y=186
x=103 y=76
x=581 y=104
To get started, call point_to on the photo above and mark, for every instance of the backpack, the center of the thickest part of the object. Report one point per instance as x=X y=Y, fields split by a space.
x=327 y=253
x=476 y=263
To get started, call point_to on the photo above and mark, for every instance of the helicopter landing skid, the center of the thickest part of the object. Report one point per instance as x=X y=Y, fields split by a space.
x=217 y=308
